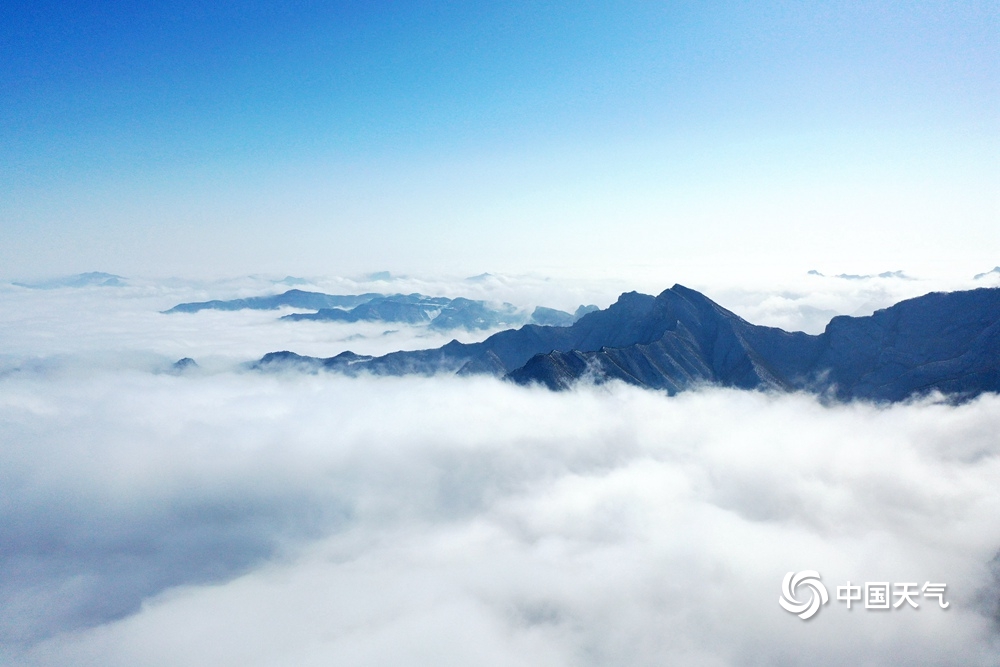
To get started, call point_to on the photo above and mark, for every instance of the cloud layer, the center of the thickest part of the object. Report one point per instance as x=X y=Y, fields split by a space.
x=224 y=517
x=238 y=519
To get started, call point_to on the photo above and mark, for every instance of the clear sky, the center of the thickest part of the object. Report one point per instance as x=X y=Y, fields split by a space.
x=337 y=137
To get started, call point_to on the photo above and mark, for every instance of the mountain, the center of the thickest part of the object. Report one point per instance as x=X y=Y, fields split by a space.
x=854 y=276
x=436 y=312
x=681 y=339
x=475 y=315
x=183 y=365
x=411 y=309
x=295 y=298
x=551 y=317
x=948 y=342
x=498 y=354
x=92 y=279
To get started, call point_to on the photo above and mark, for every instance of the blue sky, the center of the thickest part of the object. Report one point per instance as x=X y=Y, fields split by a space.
x=336 y=137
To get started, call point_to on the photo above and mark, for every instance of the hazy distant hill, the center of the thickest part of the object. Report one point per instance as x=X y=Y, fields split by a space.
x=408 y=308
x=436 y=312
x=92 y=279
x=295 y=298
x=681 y=338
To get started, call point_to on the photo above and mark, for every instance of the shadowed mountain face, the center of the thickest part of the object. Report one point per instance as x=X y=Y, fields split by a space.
x=948 y=342
x=681 y=338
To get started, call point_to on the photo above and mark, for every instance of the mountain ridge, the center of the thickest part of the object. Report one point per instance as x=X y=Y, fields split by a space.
x=440 y=313
x=680 y=339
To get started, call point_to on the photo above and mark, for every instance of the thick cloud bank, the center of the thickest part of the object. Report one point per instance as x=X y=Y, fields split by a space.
x=239 y=519
x=219 y=517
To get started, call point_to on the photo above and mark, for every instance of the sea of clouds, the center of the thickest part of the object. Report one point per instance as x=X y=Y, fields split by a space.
x=227 y=517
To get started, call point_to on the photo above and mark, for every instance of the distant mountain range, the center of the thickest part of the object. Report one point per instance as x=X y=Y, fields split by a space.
x=436 y=312
x=855 y=276
x=681 y=339
x=295 y=298
x=92 y=279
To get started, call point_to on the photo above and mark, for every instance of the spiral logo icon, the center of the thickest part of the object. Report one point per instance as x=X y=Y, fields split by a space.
x=817 y=596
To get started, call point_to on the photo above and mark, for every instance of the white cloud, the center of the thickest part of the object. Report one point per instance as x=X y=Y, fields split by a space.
x=263 y=520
